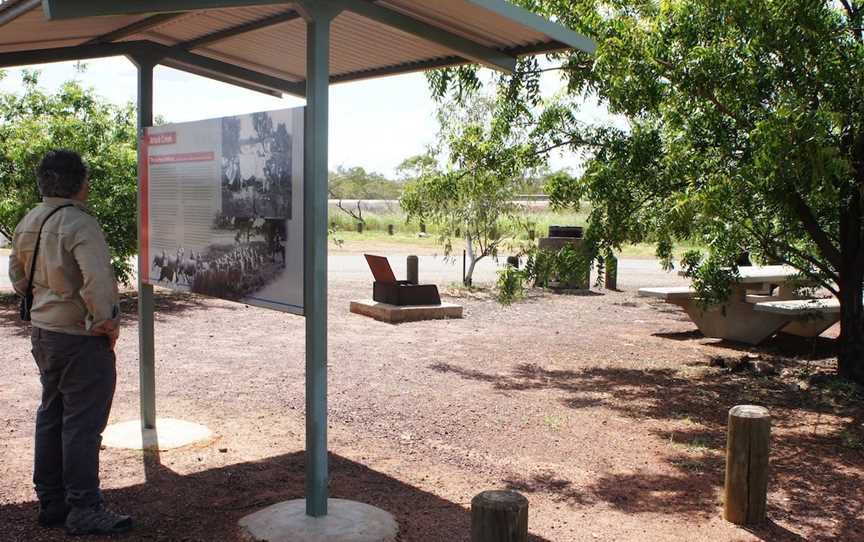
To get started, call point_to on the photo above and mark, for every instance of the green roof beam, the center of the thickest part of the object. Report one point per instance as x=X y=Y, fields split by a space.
x=530 y=19
x=10 y=13
x=166 y=56
x=135 y=28
x=238 y=30
x=67 y=9
x=464 y=47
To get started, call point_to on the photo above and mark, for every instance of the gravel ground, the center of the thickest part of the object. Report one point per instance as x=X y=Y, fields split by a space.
x=606 y=410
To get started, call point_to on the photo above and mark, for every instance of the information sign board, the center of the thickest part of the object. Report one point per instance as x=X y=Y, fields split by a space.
x=223 y=209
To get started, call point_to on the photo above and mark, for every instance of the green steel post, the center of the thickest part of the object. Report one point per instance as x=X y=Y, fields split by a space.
x=318 y=18
x=146 y=350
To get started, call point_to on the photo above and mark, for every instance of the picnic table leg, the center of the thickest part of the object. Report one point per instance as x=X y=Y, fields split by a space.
x=811 y=327
x=787 y=291
x=734 y=321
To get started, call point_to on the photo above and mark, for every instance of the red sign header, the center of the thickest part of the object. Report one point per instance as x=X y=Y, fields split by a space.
x=187 y=157
x=165 y=138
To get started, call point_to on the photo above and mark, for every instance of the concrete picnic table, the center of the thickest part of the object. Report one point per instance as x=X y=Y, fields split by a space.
x=754 y=311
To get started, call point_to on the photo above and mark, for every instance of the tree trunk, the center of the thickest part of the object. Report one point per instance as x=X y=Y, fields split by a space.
x=850 y=355
x=472 y=261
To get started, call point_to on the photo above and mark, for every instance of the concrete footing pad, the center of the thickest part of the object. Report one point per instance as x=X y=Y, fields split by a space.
x=346 y=521
x=169 y=434
x=394 y=314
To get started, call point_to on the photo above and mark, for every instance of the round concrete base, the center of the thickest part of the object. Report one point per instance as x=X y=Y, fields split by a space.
x=346 y=521
x=169 y=434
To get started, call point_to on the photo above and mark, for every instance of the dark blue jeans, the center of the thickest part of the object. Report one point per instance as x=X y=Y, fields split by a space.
x=78 y=376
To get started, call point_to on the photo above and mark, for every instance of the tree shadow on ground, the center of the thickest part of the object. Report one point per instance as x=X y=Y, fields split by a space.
x=206 y=506
x=787 y=346
x=575 y=293
x=9 y=316
x=781 y=344
x=165 y=302
x=689 y=335
x=811 y=466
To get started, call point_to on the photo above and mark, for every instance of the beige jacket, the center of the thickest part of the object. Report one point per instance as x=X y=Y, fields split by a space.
x=74 y=288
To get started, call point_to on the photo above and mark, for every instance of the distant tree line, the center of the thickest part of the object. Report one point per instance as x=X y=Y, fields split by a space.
x=357 y=183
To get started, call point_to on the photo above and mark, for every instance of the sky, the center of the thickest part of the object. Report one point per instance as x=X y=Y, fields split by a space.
x=374 y=124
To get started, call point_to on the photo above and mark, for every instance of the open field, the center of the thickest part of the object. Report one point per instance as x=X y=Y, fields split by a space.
x=378 y=214
x=343 y=241
x=606 y=410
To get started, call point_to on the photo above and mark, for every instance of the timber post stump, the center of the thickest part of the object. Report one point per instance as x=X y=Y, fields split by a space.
x=747 y=447
x=499 y=516
x=390 y=229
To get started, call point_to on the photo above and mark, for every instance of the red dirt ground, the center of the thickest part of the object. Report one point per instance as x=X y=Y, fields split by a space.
x=604 y=410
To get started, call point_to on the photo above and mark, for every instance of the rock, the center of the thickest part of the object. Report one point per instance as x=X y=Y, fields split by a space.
x=764 y=368
x=717 y=361
x=820 y=379
x=738 y=365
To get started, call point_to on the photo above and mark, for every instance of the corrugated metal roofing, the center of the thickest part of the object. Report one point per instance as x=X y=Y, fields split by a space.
x=360 y=47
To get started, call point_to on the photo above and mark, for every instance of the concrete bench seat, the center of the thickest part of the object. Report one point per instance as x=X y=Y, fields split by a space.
x=800 y=307
x=668 y=293
x=754 y=317
x=759 y=298
x=807 y=317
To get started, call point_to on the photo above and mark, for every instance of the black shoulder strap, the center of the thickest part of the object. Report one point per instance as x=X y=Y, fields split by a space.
x=36 y=249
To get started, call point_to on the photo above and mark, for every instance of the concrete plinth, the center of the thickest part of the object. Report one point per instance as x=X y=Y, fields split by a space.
x=169 y=434
x=346 y=521
x=394 y=314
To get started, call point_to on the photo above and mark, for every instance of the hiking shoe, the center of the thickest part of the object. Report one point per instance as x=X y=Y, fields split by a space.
x=53 y=514
x=96 y=520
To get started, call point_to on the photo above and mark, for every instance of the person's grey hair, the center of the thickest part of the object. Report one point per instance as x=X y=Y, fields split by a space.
x=61 y=174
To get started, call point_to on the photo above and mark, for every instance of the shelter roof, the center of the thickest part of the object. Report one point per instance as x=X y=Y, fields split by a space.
x=267 y=37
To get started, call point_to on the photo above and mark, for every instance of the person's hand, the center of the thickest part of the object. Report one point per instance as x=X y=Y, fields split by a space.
x=110 y=329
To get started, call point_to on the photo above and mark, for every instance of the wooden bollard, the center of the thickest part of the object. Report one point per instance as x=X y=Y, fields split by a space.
x=499 y=516
x=390 y=229
x=747 y=446
x=413 y=265
x=359 y=227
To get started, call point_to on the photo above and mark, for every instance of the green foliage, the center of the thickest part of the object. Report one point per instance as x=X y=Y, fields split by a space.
x=357 y=183
x=540 y=267
x=510 y=285
x=572 y=265
x=713 y=279
x=746 y=134
x=33 y=122
x=568 y=266
x=471 y=198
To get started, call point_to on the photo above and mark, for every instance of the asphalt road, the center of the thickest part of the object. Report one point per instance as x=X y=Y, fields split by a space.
x=352 y=267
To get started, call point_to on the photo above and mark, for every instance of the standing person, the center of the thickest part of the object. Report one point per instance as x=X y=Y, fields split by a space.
x=75 y=318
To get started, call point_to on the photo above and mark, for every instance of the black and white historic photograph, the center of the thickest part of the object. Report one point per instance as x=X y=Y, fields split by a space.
x=256 y=167
x=236 y=246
